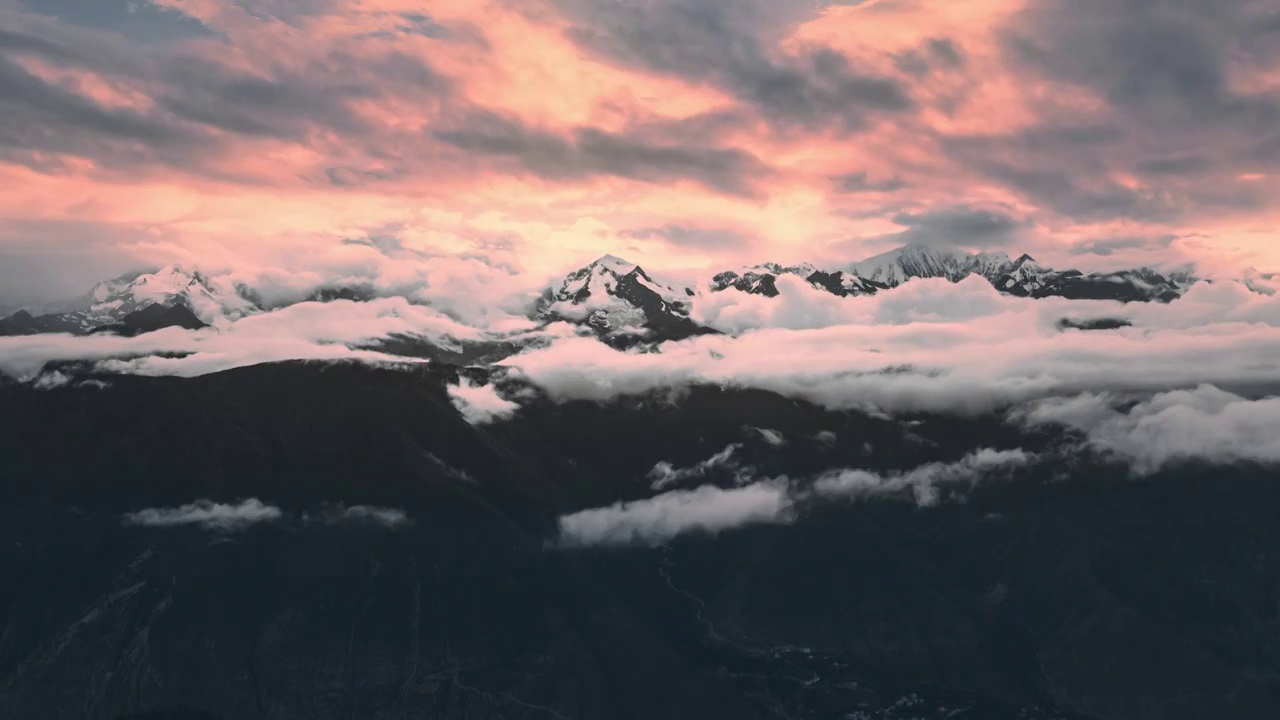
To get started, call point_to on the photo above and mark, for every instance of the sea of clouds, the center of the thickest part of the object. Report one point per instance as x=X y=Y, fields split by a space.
x=1194 y=379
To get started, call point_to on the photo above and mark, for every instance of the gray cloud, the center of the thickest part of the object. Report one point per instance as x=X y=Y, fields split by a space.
x=689 y=236
x=1164 y=73
x=934 y=53
x=208 y=515
x=199 y=104
x=946 y=51
x=1185 y=164
x=589 y=151
x=138 y=20
x=1112 y=245
x=289 y=12
x=727 y=44
x=1081 y=193
x=858 y=181
x=958 y=226
x=1166 y=63
x=360 y=515
x=37 y=117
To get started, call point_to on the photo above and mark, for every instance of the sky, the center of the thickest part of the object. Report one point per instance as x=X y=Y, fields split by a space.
x=523 y=138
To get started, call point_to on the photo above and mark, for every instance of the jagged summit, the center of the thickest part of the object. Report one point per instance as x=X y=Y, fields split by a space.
x=109 y=302
x=616 y=297
x=614 y=264
x=760 y=279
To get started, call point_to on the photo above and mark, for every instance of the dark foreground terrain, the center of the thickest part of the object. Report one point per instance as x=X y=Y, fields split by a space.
x=1069 y=592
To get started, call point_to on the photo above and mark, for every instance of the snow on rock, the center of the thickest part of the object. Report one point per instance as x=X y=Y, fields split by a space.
x=614 y=295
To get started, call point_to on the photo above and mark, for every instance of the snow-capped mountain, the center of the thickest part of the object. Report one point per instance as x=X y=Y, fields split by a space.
x=111 y=301
x=616 y=297
x=844 y=283
x=171 y=285
x=1023 y=277
x=759 y=279
x=619 y=301
x=917 y=261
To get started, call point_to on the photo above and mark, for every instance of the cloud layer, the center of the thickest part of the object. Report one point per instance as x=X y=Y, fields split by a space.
x=933 y=346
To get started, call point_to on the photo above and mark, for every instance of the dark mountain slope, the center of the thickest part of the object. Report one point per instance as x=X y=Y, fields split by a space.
x=154 y=317
x=1089 y=596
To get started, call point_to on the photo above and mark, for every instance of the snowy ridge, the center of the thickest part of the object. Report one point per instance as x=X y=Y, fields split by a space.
x=170 y=285
x=613 y=295
x=759 y=279
x=617 y=299
x=110 y=301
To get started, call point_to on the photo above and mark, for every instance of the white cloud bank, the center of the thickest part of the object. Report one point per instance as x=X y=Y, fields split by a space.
x=221 y=517
x=1206 y=424
x=306 y=331
x=935 y=346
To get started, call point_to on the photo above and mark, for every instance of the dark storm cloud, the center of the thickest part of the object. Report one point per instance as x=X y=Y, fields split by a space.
x=946 y=51
x=958 y=226
x=934 y=53
x=1109 y=246
x=725 y=44
x=687 y=236
x=198 y=104
x=138 y=20
x=1187 y=164
x=1172 y=112
x=40 y=121
x=288 y=104
x=1166 y=62
x=856 y=182
x=589 y=151
x=290 y=12
x=1082 y=196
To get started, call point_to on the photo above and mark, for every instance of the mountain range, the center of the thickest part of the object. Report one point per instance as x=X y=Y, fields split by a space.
x=618 y=299
x=613 y=297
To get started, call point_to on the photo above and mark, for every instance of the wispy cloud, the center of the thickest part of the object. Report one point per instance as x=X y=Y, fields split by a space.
x=240 y=516
x=665 y=474
x=924 y=483
x=387 y=517
x=653 y=521
x=206 y=514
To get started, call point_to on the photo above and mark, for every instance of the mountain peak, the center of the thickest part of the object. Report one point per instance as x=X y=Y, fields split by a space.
x=614 y=264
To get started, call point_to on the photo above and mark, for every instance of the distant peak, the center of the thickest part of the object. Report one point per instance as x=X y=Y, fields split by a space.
x=614 y=264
